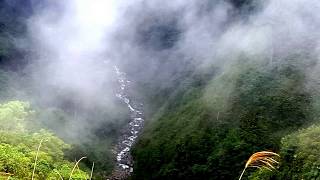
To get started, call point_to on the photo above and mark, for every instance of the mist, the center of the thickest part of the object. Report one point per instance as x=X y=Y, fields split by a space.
x=90 y=67
x=181 y=37
x=70 y=68
x=72 y=44
x=76 y=43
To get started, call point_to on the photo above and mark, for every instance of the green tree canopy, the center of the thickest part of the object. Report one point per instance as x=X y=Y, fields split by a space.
x=18 y=147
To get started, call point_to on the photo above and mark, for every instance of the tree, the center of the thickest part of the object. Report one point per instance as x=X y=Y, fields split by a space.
x=18 y=147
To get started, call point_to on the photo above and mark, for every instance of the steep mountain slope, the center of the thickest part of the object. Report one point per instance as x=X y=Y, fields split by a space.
x=55 y=109
x=219 y=80
x=209 y=136
x=13 y=30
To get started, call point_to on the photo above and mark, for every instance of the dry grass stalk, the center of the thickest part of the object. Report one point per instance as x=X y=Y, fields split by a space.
x=58 y=174
x=4 y=174
x=74 y=167
x=92 y=171
x=263 y=159
x=35 y=161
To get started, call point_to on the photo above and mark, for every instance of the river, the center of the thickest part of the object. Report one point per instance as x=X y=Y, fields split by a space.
x=130 y=133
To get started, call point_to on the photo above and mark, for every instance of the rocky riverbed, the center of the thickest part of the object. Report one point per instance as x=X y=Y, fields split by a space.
x=130 y=133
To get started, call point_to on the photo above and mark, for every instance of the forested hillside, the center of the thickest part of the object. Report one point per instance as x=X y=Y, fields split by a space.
x=13 y=29
x=20 y=137
x=212 y=119
x=159 y=90
x=208 y=130
x=54 y=113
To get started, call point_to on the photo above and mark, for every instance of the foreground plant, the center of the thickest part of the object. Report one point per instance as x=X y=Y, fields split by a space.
x=35 y=161
x=263 y=159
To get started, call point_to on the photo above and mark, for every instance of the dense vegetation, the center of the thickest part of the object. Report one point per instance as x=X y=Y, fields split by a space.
x=300 y=156
x=203 y=122
x=246 y=109
x=20 y=140
x=54 y=111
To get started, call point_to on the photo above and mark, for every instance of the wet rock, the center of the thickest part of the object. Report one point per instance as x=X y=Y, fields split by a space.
x=124 y=162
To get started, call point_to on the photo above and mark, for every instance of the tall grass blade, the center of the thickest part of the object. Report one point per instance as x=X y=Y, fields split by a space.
x=58 y=174
x=92 y=171
x=74 y=167
x=35 y=161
